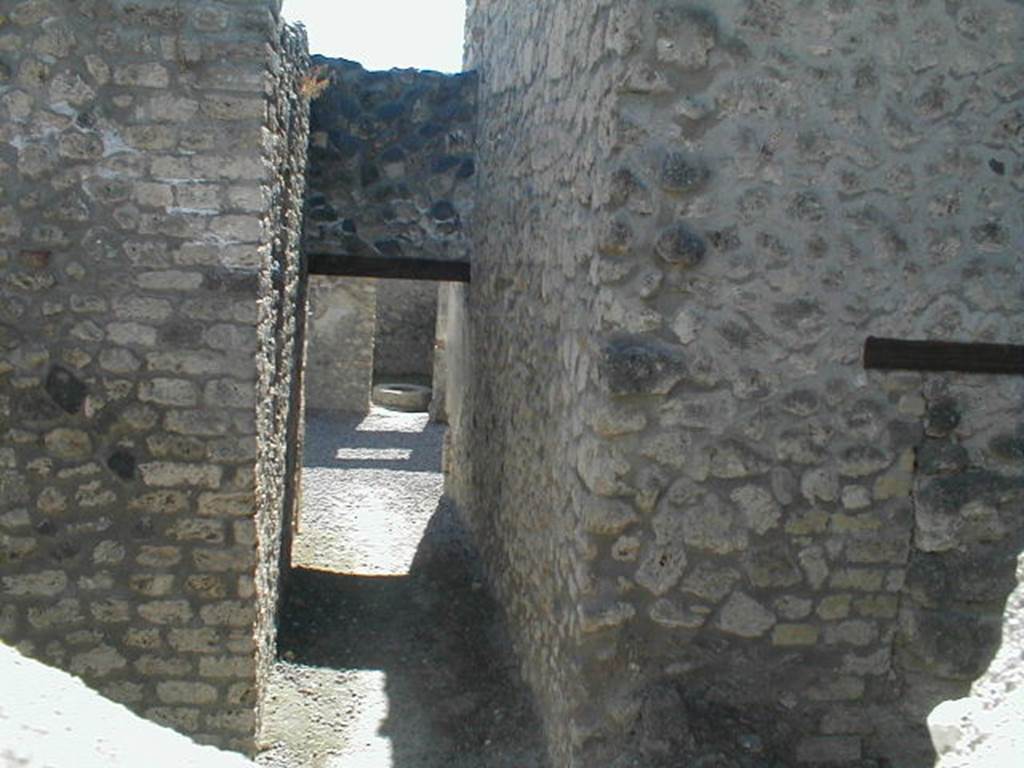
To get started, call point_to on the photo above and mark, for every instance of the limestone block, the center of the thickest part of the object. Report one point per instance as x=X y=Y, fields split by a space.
x=68 y=444
x=171 y=474
x=166 y=612
x=40 y=584
x=186 y=693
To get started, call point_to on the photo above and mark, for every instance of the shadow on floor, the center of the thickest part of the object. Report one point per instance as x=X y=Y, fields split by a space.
x=334 y=440
x=454 y=697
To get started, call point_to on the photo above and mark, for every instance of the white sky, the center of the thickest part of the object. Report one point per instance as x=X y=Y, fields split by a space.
x=381 y=34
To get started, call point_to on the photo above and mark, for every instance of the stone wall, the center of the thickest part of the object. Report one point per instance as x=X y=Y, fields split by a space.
x=406 y=329
x=391 y=170
x=714 y=533
x=282 y=323
x=342 y=325
x=518 y=342
x=149 y=197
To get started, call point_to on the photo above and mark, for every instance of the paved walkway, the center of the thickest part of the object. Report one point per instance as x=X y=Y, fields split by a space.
x=393 y=653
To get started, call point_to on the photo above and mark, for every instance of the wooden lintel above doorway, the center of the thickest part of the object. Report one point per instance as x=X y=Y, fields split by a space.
x=394 y=267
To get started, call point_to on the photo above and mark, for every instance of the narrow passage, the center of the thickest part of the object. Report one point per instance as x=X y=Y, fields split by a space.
x=392 y=652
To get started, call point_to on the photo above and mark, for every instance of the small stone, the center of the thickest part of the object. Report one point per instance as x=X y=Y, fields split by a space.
x=601 y=469
x=186 y=693
x=877 y=606
x=742 y=615
x=229 y=613
x=161 y=502
x=122 y=464
x=112 y=611
x=227 y=667
x=912 y=404
x=815 y=566
x=51 y=501
x=607 y=517
x=152 y=585
x=772 y=566
x=939 y=458
x=41 y=584
x=65 y=389
x=898 y=481
x=169 y=474
x=169 y=392
x=108 y=553
x=795 y=634
x=710 y=583
x=613 y=421
x=148 y=75
x=661 y=567
x=667 y=614
x=943 y=416
x=792 y=608
x=626 y=548
x=166 y=612
x=68 y=444
x=819 y=485
x=681 y=173
x=834 y=607
x=151 y=556
x=219 y=560
x=861 y=461
x=852 y=632
x=882 y=548
x=856 y=497
x=714 y=526
x=636 y=366
x=860 y=579
x=680 y=246
x=98 y=662
x=226 y=505
x=599 y=618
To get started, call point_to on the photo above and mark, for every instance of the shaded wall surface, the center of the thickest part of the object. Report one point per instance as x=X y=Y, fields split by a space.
x=151 y=165
x=714 y=533
x=391 y=171
x=342 y=326
x=406 y=329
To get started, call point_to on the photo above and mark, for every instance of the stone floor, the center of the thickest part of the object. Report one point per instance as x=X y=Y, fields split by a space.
x=393 y=655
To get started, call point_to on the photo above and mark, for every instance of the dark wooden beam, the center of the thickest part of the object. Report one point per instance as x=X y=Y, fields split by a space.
x=898 y=354
x=394 y=267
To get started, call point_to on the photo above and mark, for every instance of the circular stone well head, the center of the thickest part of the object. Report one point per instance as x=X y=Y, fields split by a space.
x=402 y=397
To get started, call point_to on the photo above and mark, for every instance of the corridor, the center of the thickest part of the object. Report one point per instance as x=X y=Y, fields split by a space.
x=391 y=650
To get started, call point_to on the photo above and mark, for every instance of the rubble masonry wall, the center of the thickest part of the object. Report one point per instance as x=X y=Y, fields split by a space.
x=151 y=170
x=713 y=531
x=391 y=168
